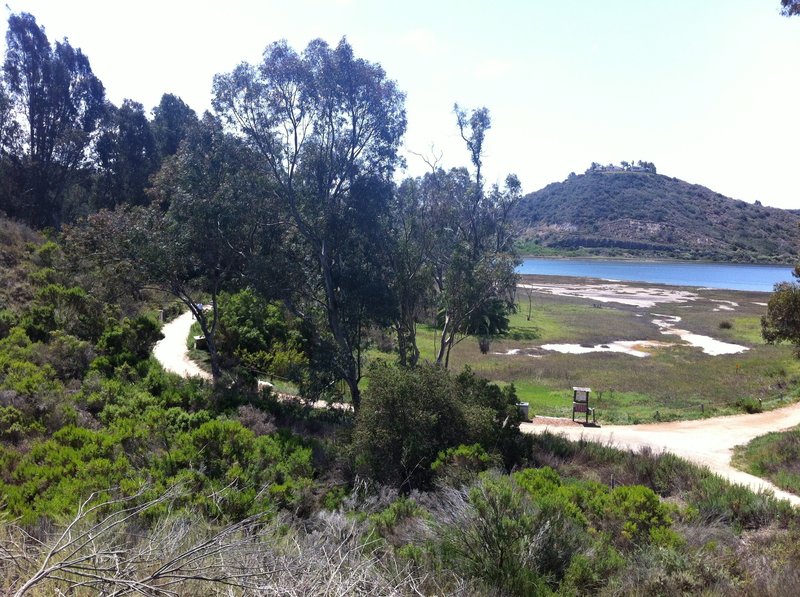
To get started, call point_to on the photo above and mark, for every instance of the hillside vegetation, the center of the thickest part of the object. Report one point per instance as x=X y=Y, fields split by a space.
x=276 y=221
x=647 y=214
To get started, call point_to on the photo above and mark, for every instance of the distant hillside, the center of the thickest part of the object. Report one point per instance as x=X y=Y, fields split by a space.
x=647 y=214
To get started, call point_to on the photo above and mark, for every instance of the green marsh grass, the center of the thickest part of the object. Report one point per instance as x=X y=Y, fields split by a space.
x=675 y=382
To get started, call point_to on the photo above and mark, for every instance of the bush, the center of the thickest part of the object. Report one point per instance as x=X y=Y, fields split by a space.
x=632 y=515
x=750 y=405
x=233 y=473
x=71 y=310
x=407 y=417
x=590 y=571
x=387 y=522
x=719 y=501
x=7 y=321
x=67 y=355
x=127 y=343
x=460 y=466
x=508 y=541
x=260 y=335
x=56 y=474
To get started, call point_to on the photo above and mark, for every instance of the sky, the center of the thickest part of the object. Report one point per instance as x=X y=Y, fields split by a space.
x=707 y=90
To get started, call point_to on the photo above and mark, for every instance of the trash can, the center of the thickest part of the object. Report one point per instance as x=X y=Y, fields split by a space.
x=522 y=407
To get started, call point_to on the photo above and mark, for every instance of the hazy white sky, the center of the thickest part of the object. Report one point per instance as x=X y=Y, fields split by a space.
x=708 y=90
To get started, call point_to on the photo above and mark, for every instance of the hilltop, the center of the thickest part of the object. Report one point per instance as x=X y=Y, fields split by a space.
x=611 y=211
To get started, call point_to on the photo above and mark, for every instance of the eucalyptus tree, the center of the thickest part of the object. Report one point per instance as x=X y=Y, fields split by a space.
x=474 y=257
x=326 y=124
x=172 y=122
x=197 y=236
x=410 y=241
x=59 y=102
x=125 y=157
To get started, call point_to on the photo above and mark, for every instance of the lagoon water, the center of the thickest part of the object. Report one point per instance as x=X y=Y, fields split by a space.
x=730 y=276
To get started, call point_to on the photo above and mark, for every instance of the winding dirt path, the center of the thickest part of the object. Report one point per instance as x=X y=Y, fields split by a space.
x=172 y=353
x=707 y=442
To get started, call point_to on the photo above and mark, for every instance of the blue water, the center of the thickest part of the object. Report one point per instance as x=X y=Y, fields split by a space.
x=730 y=276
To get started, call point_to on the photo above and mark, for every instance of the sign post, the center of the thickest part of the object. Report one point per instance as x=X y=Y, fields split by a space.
x=580 y=403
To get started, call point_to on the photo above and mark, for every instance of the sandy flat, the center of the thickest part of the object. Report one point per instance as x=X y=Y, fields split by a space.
x=622 y=294
x=709 y=345
x=629 y=347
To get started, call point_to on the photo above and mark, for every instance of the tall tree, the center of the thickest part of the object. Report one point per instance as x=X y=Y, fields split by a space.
x=474 y=256
x=60 y=102
x=9 y=155
x=409 y=244
x=125 y=157
x=323 y=121
x=173 y=120
x=197 y=238
x=9 y=128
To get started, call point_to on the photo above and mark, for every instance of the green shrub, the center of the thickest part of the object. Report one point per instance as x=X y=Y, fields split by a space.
x=460 y=466
x=632 y=515
x=7 y=321
x=750 y=405
x=261 y=335
x=56 y=474
x=408 y=416
x=57 y=307
x=127 y=343
x=234 y=473
x=508 y=542
x=589 y=572
x=718 y=500
x=657 y=570
x=15 y=425
x=67 y=355
x=385 y=523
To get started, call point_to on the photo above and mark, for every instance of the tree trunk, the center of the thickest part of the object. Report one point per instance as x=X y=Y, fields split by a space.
x=208 y=333
x=350 y=369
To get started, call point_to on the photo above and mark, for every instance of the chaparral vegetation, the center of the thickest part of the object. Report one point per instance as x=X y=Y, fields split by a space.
x=359 y=433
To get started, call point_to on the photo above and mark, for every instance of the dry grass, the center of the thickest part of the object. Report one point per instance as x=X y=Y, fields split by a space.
x=124 y=553
x=16 y=244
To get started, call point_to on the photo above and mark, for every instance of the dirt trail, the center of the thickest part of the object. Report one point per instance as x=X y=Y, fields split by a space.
x=708 y=442
x=172 y=353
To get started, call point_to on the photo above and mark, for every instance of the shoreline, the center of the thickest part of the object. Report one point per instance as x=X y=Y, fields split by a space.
x=645 y=259
x=692 y=274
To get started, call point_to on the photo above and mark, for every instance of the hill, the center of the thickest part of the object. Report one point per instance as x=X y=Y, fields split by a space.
x=650 y=215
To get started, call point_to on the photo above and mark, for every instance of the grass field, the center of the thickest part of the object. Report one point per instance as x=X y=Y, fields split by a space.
x=675 y=382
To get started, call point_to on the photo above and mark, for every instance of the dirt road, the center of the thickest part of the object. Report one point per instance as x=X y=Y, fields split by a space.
x=172 y=353
x=708 y=442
